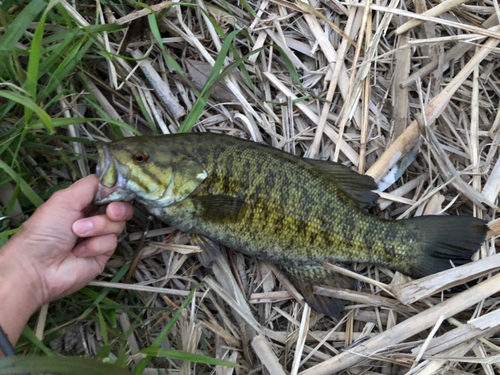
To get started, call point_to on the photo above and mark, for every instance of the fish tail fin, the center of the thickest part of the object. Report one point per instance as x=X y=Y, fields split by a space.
x=444 y=240
x=304 y=279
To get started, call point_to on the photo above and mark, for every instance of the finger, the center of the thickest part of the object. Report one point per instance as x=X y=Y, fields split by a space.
x=79 y=195
x=97 y=226
x=118 y=211
x=96 y=246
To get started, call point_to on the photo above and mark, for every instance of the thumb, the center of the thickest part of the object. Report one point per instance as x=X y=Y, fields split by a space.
x=79 y=195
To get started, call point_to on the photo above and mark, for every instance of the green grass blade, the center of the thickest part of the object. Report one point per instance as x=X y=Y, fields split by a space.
x=21 y=23
x=232 y=47
x=197 y=110
x=289 y=65
x=98 y=298
x=199 y=105
x=216 y=78
x=6 y=234
x=30 y=335
x=68 y=21
x=153 y=25
x=119 y=275
x=226 y=7
x=63 y=69
x=96 y=29
x=25 y=188
x=77 y=120
x=58 y=52
x=144 y=111
x=249 y=8
x=186 y=356
x=102 y=325
x=34 y=60
x=163 y=334
x=27 y=102
x=59 y=365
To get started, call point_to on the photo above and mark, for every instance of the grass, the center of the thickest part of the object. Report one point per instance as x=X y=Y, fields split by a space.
x=419 y=102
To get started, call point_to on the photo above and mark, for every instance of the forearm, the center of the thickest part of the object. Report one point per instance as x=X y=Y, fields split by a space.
x=17 y=294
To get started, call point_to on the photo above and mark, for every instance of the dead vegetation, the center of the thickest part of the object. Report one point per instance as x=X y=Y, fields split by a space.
x=407 y=92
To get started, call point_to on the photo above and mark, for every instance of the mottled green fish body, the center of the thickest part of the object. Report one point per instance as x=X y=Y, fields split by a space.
x=294 y=212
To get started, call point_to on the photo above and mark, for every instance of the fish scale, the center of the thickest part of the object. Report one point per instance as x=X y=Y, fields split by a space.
x=294 y=212
x=331 y=238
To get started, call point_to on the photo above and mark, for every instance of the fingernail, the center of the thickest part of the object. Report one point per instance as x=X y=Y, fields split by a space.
x=118 y=210
x=82 y=227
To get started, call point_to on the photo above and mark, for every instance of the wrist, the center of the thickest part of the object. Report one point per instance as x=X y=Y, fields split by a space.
x=18 y=285
x=19 y=297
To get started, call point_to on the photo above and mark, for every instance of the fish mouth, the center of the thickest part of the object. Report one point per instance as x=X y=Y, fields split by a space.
x=112 y=180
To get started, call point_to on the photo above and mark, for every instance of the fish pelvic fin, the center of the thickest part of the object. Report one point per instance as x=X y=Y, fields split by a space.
x=357 y=186
x=209 y=249
x=444 y=240
x=304 y=279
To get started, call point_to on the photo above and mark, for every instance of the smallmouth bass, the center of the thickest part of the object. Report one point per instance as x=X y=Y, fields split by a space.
x=296 y=213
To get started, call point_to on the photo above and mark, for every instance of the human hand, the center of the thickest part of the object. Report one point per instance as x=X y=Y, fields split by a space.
x=46 y=252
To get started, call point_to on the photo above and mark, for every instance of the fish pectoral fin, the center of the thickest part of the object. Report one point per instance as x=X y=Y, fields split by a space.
x=210 y=249
x=304 y=279
x=219 y=207
x=357 y=186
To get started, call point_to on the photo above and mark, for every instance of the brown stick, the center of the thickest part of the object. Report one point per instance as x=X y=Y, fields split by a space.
x=408 y=328
x=365 y=109
x=266 y=355
x=331 y=89
x=433 y=12
x=417 y=289
x=437 y=105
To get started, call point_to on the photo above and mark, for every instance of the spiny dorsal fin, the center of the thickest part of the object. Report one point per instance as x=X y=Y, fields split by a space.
x=359 y=187
x=304 y=279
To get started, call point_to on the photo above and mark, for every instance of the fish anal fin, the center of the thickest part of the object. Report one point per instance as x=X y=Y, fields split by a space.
x=304 y=279
x=218 y=207
x=358 y=186
x=210 y=249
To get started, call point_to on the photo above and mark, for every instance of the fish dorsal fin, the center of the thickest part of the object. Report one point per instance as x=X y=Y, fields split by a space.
x=210 y=249
x=358 y=186
x=218 y=207
x=304 y=279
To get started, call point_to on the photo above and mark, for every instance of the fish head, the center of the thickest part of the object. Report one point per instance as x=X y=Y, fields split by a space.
x=153 y=170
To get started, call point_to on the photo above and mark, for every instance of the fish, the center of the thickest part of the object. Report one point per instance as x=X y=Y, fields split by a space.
x=293 y=212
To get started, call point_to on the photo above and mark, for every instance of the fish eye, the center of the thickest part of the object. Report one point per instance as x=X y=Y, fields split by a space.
x=140 y=157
